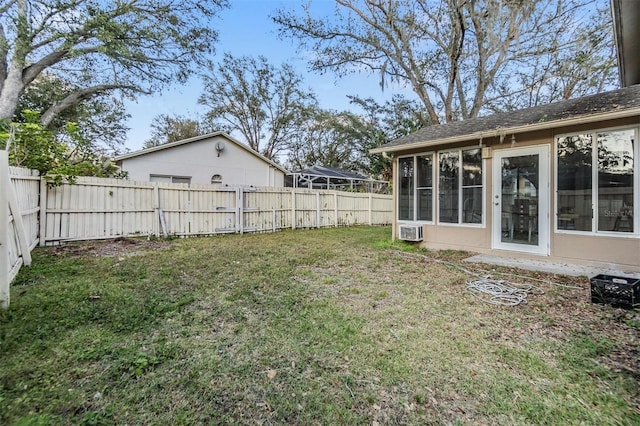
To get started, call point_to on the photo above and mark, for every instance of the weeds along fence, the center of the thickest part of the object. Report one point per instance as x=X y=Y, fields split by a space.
x=96 y=208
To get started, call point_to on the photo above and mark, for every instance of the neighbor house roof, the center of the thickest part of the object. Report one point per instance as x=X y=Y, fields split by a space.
x=197 y=139
x=330 y=172
x=602 y=106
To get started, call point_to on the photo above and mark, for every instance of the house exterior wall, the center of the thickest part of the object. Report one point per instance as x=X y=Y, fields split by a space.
x=598 y=249
x=595 y=249
x=200 y=161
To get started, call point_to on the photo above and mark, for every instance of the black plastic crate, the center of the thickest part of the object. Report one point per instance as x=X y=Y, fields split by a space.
x=621 y=292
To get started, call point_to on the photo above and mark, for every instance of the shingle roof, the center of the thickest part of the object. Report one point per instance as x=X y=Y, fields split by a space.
x=627 y=98
x=331 y=172
x=197 y=139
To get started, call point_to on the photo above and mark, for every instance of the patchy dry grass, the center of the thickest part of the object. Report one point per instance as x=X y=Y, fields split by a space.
x=333 y=326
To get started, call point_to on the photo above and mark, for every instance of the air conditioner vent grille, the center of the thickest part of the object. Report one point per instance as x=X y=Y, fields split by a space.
x=410 y=232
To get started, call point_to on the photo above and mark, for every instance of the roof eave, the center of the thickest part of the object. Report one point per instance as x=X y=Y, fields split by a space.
x=584 y=119
x=167 y=145
x=119 y=158
x=626 y=32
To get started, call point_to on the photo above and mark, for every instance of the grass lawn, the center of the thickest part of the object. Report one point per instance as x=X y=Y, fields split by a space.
x=331 y=326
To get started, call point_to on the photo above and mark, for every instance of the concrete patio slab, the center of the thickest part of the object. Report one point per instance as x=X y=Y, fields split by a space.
x=551 y=267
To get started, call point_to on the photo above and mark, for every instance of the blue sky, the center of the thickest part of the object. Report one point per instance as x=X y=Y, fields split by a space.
x=246 y=29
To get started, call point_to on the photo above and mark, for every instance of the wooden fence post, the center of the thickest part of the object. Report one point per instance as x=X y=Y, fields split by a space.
x=370 y=209
x=240 y=210
x=156 y=208
x=317 y=210
x=293 y=209
x=335 y=208
x=43 y=212
x=273 y=223
x=4 y=230
x=161 y=225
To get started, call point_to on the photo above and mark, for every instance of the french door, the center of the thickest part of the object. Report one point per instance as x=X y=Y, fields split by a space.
x=520 y=199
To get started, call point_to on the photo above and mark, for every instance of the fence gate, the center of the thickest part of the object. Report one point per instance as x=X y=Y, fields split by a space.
x=19 y=211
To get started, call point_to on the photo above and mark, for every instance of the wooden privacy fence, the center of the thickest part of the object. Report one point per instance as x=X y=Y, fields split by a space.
x=96 y=208
x=19 y=211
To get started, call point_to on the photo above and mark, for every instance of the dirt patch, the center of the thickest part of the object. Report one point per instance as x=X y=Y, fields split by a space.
x=119 y=247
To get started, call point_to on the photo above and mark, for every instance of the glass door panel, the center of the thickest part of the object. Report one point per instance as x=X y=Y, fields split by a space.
x=521 y=200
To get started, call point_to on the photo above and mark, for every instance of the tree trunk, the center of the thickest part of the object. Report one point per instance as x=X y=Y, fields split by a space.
x=13 y=85
x=10 y=94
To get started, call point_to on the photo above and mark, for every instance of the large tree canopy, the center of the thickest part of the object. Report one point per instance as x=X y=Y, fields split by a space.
x=61 y=155
x=264 y=103
x=462 y=57
x=344 y=139
x=166 y=129
x=328 y=138
x=100 y=120
x=135 y=46
x=383 y=123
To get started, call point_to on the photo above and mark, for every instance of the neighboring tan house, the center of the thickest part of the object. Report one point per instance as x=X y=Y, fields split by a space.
x=215 y=158
x=558 y=180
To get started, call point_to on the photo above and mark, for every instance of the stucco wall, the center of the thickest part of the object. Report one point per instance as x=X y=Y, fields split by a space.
x=563 y=246
x=200 y=161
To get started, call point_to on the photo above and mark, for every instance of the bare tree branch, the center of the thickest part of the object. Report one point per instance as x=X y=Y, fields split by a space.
x=78 y=96
x=461 y=58
x=263 y=103
x=138 y=45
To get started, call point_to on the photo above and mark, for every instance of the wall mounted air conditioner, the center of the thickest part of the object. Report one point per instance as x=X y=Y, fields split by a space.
x=410 y=232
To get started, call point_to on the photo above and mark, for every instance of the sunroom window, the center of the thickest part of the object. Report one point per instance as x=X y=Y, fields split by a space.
x=597 y=181
x=575 y=190
x=460 y=186
x=415 y=192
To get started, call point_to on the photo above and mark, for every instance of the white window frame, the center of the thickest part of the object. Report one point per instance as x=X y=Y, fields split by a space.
x=172 y=177
x=460 y=222
x=594 y=184
x=416 y=188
